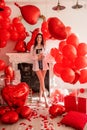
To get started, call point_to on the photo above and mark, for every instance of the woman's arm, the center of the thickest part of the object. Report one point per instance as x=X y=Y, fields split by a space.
x=33 y=54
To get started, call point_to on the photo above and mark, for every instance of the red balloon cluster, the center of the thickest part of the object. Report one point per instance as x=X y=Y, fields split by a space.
x=10 y=115
x=71 y=60
x=15 y=97
x=5 y=12
x=10 y=30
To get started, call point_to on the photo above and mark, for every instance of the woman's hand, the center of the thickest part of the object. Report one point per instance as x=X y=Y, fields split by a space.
x=40 y=56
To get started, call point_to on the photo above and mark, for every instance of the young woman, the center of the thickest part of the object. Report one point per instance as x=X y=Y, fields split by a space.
x=40 y=65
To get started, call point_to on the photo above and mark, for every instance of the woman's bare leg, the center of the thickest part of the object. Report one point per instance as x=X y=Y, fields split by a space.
x=41 y=77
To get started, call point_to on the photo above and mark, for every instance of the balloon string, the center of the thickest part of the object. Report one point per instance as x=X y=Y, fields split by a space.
x=17 y=4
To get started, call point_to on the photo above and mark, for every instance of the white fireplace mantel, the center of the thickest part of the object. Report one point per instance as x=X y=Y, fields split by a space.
x=16 y=58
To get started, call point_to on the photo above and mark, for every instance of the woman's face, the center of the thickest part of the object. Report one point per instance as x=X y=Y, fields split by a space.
x=39 y=38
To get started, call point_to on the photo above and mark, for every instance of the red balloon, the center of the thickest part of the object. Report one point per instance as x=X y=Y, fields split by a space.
x=23 y=35
x=77 y=76
x=20 y=46
x=67 y=62
x=68 y=30
x=82 y=90
x=24 y=111
x=5 y=24
x=10 y=117
x=16 y=20
x=81 y=62
x=14 y=35
x=68 y=75
x=45 y=31
x=61 y=45
x=4 y=109
x=57 y=28
x=4 y=34
x=32 y=40
x=54 y=51
x=56 y=110
x=57 y=69
x=2 y=3
x=83 y=76
x=58 y=57
x=9 y=72
x=7 y=11
x=15 y=95
x=69 y=51
x=82 y=49
x=2 y=65
x=3 y=43
x=73 y=40
x=19 y=27
x=30 y=13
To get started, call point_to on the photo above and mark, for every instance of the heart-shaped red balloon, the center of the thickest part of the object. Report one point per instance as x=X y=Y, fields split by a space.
x=15 y=95
x=57 y=28
x=30 y=13
x=10 y=117
x=4 y=109
x=9 y=72
x=56 y=110
x=24 y=111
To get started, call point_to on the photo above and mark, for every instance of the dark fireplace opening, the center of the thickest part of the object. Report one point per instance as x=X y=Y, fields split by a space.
x=30 y=77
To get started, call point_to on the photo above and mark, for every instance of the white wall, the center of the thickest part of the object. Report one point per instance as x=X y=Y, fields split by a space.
x=75 y=18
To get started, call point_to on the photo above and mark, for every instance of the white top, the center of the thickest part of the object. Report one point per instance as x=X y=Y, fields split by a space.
x=34 y=58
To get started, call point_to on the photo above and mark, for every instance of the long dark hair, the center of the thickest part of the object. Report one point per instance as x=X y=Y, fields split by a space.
x=42 y=42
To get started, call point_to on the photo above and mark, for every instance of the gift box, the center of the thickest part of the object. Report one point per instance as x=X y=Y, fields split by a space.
x=76 y=103
x=82 y=104
x=82 y=101
x=70 y=103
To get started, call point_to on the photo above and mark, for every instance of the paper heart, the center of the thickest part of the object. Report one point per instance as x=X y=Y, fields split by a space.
x=15 y=95
x=30 y=13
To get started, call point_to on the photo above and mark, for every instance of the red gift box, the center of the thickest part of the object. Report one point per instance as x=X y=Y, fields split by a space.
x=82 y=104
x=70 y=103
x=73 y=103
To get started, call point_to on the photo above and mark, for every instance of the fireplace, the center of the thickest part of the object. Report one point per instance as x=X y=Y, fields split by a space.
x=29 y=76
x=22 y=66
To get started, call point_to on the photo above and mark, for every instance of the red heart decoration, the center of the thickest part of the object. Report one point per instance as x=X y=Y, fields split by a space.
x=15 y=95
x=30 y=13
